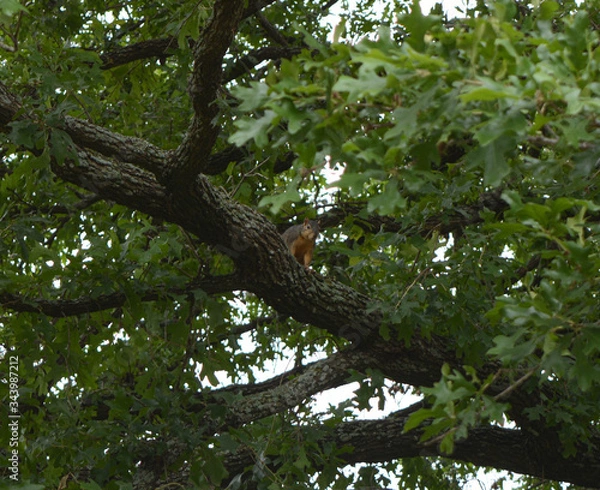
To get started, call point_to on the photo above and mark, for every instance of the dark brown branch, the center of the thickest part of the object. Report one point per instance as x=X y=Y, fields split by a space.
x=218 y=162
x=376 y=441
x=255 y=6
x=81 y=306
x=159 y=48
x=9 y=106
x=111 y=144
x=328 y=5
x=192 y=155
x=246 y=63
x=270 y=30
x=154 y=48
x=453 y=221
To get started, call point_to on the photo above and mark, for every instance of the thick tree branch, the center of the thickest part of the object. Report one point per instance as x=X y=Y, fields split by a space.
x=154 y=48
x=375 y=441
x=316 y=378
x=9 y=106
x=110 y=144
x=138 y=151
x=192 y=155
x=509 y=449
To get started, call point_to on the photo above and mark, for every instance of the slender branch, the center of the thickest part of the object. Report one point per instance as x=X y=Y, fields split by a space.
x=246 y=63
x=85 y=305
x=271 y=30
x=513 y=386
x=159 y=48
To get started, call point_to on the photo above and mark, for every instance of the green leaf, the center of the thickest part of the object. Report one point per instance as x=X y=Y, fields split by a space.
x=486 y=94
x=368 y=83
x=275 y=202
x=388 y=201
x=253 y=97
x=511 y=348
x=9 y=8
x=415 y=419
x=417 y=26
x=213 y=467
x=254 y=129
x=25 y=133
x=493 y=158
x=61 y=146
x=586 y=373
x=508 y=229
x=91 y=485
x=295 y=118
x=547 y=9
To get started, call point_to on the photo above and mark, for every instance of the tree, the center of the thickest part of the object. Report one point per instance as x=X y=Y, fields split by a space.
x=153 y=154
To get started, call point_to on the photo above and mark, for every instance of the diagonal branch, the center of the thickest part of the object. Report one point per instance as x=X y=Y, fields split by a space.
x=256 y=401
x=280 y=394
x=136 y=150
x=111 y=144
x=246 y=63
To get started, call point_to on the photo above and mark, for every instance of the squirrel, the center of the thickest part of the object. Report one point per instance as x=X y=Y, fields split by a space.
x=301 y=239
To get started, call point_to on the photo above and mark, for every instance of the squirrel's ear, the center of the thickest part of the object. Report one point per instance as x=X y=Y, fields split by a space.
x=305 y=221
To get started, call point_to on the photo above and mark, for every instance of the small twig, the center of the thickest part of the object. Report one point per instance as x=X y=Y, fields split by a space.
x=516 y=384
x=6 y=47
x=249 y=174
x=271 y=30
x=437 y=439
x=542 y=140
x=421 y=274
